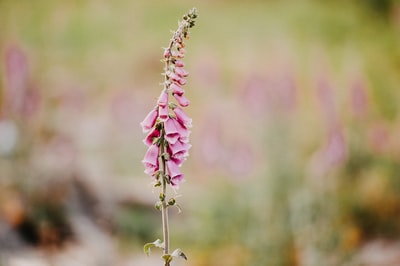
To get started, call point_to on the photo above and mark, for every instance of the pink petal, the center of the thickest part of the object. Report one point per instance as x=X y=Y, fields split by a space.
x=149 y=120
x=176 y=78
x=163 y=99
x=155 y=133
x=182 y=100
x=171 y=132
x=178 y=160
x=179 y=63
x=181 y=72
x=182 y=117
x=182 y=130
x=178 y=54
x=167 y=53
x=150 y=160
x=174 y=172
x=163 y=112
x=179 y=149
x=176 y=89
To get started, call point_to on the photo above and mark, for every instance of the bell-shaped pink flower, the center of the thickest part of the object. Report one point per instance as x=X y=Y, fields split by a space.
x=149 y=120
x=176 y=78
x=163 y=112
x=150 y=160
x=178 y=54
x=155 y=133
x=179 y=149
x=182 y=131
x=174 y=172
x=163 y=99
x=182 y=117
x=171 y=132
x=181 y=72
x=179 y=63
x=182 y=100
x=167 y=53
x=176 y=89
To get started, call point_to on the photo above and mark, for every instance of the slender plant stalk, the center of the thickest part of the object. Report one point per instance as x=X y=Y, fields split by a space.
x=164 y=206
x=168 y=137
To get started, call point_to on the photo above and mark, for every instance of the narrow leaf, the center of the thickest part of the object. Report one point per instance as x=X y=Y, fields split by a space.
x=178 y=254
x=148 y=246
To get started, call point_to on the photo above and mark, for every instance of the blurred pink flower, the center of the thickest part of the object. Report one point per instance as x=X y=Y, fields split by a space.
x=150 y=120
x=359 y=100
x=150 y=160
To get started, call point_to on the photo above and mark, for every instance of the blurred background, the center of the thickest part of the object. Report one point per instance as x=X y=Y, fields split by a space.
x=295 y=157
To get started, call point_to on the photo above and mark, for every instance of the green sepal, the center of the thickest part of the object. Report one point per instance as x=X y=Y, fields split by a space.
x=158 y=205
x=178 y=254
x=155 y=244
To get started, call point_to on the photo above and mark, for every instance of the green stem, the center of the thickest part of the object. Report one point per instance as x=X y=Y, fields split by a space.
x=164 y=206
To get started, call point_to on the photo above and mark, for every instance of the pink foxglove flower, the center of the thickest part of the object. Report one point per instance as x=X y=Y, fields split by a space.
x=150 y=160
x=175 y=173
x=150 y=120
x=182 y=117
x=181 y=72
x=176 y=89
x=154 y=134
x=163 y=112
x=171 y=132
x=179 y=149
x=168 y=139
x=163 y=99
x=179 y=63
x=182 y=100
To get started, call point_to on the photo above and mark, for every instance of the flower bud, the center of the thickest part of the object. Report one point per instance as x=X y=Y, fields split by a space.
x=167 y=53
x=171 y=202
x=158 y=205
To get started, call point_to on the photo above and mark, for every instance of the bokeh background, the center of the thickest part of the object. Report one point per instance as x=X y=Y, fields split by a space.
x=296 y=148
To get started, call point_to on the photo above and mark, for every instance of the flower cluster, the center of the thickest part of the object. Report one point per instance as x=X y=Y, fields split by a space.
x=167 y=124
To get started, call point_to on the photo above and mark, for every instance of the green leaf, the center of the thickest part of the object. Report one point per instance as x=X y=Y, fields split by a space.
x=156 y=244
x=178 y=254
x=167 y=258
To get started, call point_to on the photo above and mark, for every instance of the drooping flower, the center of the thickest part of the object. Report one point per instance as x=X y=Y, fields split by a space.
x=150 y=160
x=179 y=63
x=181 y=72
x=179 y=149
x=175 y=174
x=149 y=121
x=163 y=112
x=182 y=100
x=149 y=139
x=171 y=132
x=176 y=89
x=163 y=99
x=182 y=117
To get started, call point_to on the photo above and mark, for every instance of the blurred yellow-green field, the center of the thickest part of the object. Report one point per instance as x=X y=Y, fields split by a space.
x=296 y=148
